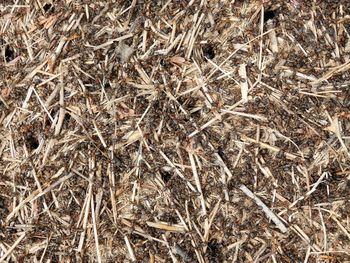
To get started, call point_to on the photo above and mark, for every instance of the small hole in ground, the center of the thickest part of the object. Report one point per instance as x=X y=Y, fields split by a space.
x=166 y=176
x=47 y=7
x=9 y=53
x=67 y=117
x=32 y=142
x=209 y=52
x=269 y=15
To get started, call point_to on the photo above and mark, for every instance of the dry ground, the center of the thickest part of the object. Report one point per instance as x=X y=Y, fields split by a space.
x=174 y=131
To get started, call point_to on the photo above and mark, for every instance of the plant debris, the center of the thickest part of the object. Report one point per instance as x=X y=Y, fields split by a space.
x=174 y=131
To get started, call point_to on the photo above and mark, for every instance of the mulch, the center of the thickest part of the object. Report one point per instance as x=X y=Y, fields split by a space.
x=174 y=131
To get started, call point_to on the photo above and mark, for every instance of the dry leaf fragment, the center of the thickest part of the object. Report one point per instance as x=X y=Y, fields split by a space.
x=178 y=60
x=5 y=92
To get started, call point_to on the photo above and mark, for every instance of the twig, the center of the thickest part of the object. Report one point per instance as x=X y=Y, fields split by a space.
x=267 y=211
x=130 y=250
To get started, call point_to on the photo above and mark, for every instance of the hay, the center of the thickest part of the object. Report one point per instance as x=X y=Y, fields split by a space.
x=174 y=131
